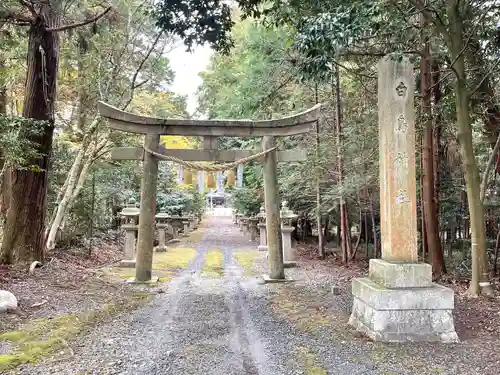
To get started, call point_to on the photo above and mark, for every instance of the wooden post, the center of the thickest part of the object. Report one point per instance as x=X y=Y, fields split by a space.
x=274 y=240
x=144 y=261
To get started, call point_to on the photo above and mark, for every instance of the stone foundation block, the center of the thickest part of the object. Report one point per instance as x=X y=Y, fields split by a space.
x=127 y=263
x=268 y=280
x=262 y=248
x=154 y=280
x=400 y=315
x=400 y=274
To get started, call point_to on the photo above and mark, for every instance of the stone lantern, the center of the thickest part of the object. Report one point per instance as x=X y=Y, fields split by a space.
x=176 y=222
x=130 y=223
x=262 y=229
x=252 y=224
x=185 y=224
x=287 y=216
x=162 y=225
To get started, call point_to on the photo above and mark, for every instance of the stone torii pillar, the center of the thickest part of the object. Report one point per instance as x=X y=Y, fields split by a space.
x=274 y=240
x=152 y=128
x=398 y=301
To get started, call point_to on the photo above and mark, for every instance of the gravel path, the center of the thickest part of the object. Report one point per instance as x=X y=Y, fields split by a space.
x=225 y=326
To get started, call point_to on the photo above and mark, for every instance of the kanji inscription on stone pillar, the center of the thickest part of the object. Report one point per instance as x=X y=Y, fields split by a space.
x=397 y=160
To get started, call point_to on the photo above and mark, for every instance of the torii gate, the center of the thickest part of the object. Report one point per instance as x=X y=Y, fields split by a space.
x=152 y=128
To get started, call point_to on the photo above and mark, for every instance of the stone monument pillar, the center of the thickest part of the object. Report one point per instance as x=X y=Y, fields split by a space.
x=398 y=301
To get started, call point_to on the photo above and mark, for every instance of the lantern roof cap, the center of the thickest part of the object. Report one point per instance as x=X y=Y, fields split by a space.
x=130 y=208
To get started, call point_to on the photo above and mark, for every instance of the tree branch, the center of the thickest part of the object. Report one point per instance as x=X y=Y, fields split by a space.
x=487 y=171
x=31 y=8
x=139 y=68
x=79 y=24
x=486 y=75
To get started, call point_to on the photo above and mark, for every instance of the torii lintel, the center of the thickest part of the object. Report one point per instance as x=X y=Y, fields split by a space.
x=132 y=123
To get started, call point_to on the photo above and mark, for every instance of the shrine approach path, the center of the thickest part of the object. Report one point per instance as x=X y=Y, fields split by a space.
x=226 y=324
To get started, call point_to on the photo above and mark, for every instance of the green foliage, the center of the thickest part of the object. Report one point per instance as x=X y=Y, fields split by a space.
x=177 y=202
x=15 y=134
x=246 y=201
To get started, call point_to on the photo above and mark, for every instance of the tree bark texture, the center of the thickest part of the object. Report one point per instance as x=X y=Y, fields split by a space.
x=479 y=283
x=345 y=239
x=430 y=212
x=24 y=227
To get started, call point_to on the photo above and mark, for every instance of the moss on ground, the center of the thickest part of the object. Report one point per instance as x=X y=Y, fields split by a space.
x=46 y=336
x=309 y=362
x=176 y=258
x=165 y=265
x=246 y=259
x=213 y=264
x=306 y=314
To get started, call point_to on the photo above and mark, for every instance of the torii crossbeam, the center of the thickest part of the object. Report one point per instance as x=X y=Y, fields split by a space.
x=153 y=127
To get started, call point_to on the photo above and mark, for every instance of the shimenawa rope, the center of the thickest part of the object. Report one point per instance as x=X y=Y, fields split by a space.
x=209 y=168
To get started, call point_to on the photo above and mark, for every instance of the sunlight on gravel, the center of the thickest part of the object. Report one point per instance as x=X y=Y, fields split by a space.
x=165 y=265
x=247 y=259
x=213 y=265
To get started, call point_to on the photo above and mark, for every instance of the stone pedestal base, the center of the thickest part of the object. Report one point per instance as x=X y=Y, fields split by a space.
x=402 y=313
x=127 y=263
x=268 y=280
x=161 y=249
x=154 y=280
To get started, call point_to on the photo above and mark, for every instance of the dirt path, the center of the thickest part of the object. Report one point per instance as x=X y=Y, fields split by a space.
x=215 y=319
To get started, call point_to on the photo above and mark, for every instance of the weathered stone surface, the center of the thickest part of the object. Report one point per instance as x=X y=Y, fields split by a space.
x=398 y=224
x=271 y=198
x=263 y=237
x=399 y=302
x=381 y=298
x=130 y=242
x=269 y=280
x=288 y=251
x=127 y=263
x=401 y=325
x=161 y=248
x=153 y=280
x=8 y=301
x=400 y=274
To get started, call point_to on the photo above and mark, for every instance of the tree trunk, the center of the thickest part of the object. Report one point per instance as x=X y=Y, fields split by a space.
x=358 y=241
x=430 y=212
x=321 y=240
x=61 y=207
x=4 y=180
x=374 y=227
x=5 y=254
x=24 y=227
x=345 y=238
x=495 y=259
x=436 y=137
x=479 y=283
x=425 y=248
x=326 y=231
